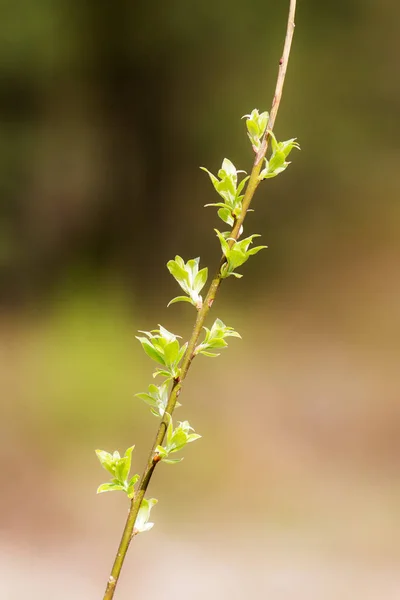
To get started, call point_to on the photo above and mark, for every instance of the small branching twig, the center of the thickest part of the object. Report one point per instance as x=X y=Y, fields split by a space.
x=164 y=348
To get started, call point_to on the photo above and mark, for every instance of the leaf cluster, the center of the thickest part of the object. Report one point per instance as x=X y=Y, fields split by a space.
x=215 y=338
x=277 y=162
x=226 y=185
x=190 y=278
x=236 y=253
x=119 y=467
x=256 y=124
x=142 y=520
x=164 y=348
x=176 y=439
x=156 y=398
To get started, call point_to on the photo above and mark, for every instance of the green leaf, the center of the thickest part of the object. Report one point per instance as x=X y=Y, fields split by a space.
x=180 y=299
x=124 y=465
x=121 y=471
x=241 y=185
x=171 y=353
x=236 y=257
x=192 y=266
x=150 y=350
x=172 y=461
x=200 y=279
x=252 y=128
x=179 y=440
x=224 y=243
x=226 y=184
x=277 y=161
x=217 y=343
x=215 y=338
x=256 y=125
x=177 y=271
x=280 y=151
x=193 y=437
x=134 y=479
x=192 y=281
x=163 y=373
x=255 y=250
x=214 y=180
x=128 y=454
x=131 y=486
x=228 y=168
x=166 y=335
x=156 y=398
x=225 y=214
x=210 y=354
x=220 y=204
x=109 y=487
x=106 y=461
x=141 y=523
x=227 y=189
x=176 y=268
x=147 y=398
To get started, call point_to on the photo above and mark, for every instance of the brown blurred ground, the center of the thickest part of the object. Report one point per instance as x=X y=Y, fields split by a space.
x=107 y=111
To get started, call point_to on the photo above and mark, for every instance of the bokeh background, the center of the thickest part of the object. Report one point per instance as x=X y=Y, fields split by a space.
x=107 y=110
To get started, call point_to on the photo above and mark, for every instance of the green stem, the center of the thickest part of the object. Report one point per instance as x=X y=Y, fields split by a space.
x=129 y=529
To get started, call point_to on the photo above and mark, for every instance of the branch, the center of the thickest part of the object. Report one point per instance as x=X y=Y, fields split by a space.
x=129 y=529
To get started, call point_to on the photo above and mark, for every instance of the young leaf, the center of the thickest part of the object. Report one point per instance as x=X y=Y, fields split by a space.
x=171 y=352
x=106 y=461
x=215 y=338
x=280 y=151
x=256 y=124
x=164 y=348
x=131 y=486
x=141 y=523
x=176 y=439
x=200 y=279
x=189 y=278
x=224 y=243
x=179 y=299
x=150 y=350
x=236 y=254
x=225 y=214
x=227 y=187
x=109 y=487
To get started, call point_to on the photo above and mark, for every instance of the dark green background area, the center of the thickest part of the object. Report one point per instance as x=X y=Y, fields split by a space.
x=108 y=108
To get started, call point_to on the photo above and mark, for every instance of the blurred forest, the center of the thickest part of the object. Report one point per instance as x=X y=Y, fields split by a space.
x=107 y=110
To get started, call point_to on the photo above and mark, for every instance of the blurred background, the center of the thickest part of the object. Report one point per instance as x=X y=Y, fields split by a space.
x=107 y=111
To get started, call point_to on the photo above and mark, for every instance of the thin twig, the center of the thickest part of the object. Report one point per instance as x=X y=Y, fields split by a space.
x=129 y=529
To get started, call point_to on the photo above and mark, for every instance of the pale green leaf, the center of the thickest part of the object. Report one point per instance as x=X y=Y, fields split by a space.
x=151 y=351
x=109 y=487
x=225 y=214
x=253 y=251
x=171 y=353
x=200 y=280
x=193 y=437
x=106 y=461
x=180 y=299
x=224 y=243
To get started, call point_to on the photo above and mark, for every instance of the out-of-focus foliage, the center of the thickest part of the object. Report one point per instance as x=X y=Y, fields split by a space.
x=107 y=108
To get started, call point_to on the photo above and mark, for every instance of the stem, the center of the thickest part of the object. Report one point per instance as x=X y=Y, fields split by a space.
x=129 y=529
